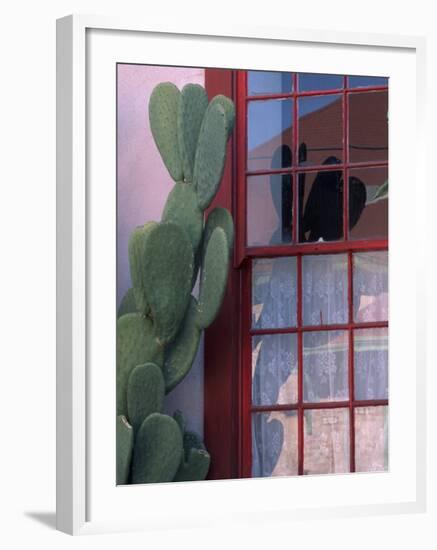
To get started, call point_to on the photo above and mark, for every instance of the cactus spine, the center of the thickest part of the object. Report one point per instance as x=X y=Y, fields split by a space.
x=159 y=321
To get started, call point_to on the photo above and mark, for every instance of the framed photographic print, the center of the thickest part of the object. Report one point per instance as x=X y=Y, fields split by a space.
x=239 y=323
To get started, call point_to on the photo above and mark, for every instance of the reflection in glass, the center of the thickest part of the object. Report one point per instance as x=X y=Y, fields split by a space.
x=371 y=363
x=321 y=127
x=321 y=205
x=269 y=126
x=325 y=289
x=361 y=81
x=372 y=221
x=310 y=82
x=274 y=292
x=370 y=286
x=274 y=369
x=326 y=441
x=269 y=209
x=371 y=439
x=368 y=126
x=325 y=366
x=268 y=82
x=274 y=444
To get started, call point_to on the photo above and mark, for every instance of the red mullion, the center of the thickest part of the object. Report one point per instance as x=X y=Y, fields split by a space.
x=351 y=372
x=319 y=405
x=317 y=168
x=294 y=164
x=345 y=162
x=315 y=248
x=367 y=89
x=318 y=328
x=245 y=461
x=295 y=93
x=300 y=420
x=241 y=156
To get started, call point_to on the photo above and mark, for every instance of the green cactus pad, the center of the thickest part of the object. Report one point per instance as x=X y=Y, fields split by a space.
x=210 y=155
x=213 y=278
x=145 y=393
x=179 y=417
x=125 y=439
x=163 y=116
x=180 y=354
x=137 y=242
x=192 y=107
x=136 y=345
x=219 y=217
x=166 y=273
x=229 y=109
x=192 y=440
x=195 y=467
x=181 y=208
x=158 y=450
x=128 y=304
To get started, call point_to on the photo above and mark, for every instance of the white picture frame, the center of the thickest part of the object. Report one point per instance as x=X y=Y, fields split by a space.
x=80 y=486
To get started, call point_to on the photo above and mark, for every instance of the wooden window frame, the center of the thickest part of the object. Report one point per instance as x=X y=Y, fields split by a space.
x=228 y=378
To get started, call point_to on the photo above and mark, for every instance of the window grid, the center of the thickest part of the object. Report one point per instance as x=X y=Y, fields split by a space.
x=298 y=249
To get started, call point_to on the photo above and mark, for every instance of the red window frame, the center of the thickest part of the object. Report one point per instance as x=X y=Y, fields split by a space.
x=228 y=345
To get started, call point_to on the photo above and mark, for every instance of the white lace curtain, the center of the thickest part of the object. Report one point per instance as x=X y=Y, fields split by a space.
x=325 y=353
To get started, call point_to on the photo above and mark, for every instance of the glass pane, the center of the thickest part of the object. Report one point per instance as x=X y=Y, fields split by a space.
x=325 y=289
x=370 y=284
x=326 y=441
x=269 y=134
x=371 y=363
x=274 y=369
x=274 y=444
x=309 y=82
x=371 y=439
x=368 y=203
x=325 y=366
x=269 y=209
x=361 y=81
x=368 y=126
x=274 y=293
x=320 y=129
x=267 y=82
x=321 y=206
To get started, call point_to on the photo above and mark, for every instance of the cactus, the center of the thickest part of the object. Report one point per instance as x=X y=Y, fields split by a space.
x=159 y=321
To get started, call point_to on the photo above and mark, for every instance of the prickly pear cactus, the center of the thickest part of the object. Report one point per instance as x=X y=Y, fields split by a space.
x=159 y=321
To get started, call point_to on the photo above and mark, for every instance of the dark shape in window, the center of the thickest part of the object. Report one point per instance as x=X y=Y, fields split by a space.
x=281 y=188
x=323 y=212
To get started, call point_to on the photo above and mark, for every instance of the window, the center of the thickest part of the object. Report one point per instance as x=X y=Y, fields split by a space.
x=312 y=250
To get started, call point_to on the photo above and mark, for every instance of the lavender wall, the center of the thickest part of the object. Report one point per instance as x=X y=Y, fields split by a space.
x=143 y=184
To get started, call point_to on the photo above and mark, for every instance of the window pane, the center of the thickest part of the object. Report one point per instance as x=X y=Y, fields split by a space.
x=274 y=444
x=368 y=126
x=361 y=81
x=321 y=206
x=326 y=441
x=274 y=369
x=368 y=203
x=274 y=292
x=371 y=439
x=269 y=137
x=325 y=289
x=325 y=366
x=320 y=129
x=310 y=82
x=370 y=285
x=371 y=363
x=267 y=82
x=269 y=209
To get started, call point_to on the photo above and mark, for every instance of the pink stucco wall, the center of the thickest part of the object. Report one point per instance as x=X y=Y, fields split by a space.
x=143 y=184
